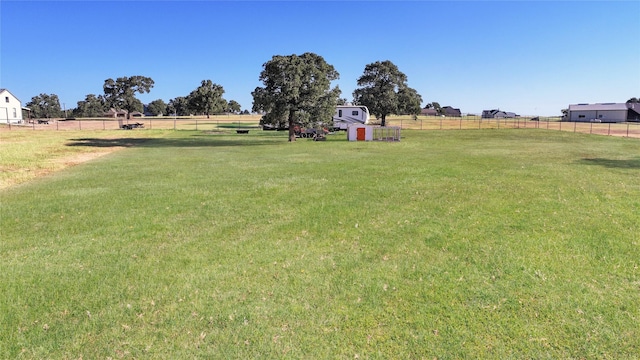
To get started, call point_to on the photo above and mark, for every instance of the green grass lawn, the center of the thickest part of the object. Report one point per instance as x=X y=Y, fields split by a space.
x=448 y=244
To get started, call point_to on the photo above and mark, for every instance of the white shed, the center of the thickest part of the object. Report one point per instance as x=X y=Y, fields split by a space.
x=359 y=132
x=609 y=112
x=10 y=108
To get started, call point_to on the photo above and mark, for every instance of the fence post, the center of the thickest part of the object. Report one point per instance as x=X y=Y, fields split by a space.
x=609 y=131
x=627 y=129
x=421 y=120
x=574 y=126
x=174 y=123
x=590 y=128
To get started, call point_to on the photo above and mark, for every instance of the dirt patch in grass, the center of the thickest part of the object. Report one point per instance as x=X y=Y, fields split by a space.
x=25 y=174
x=75 y=159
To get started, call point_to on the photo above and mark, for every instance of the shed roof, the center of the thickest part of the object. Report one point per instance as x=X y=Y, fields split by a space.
x=598 y=107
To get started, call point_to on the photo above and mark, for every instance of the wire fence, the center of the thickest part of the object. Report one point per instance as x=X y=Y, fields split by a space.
x=216 y=122
x=625 y=129
x=242 y=123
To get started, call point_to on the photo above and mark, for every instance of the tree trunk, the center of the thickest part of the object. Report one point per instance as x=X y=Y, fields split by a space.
x=384 y=120
x=292 y=134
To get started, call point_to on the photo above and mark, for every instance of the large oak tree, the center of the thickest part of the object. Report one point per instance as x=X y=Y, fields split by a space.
x=178 y=107
x=45 y=106
x=207 y=98
x=157 y=107
x=384 y=90
x=120 y=93
x=234 y=107
x=91 y=106
x=297 y=90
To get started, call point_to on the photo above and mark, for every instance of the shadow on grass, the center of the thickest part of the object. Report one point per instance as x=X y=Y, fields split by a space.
x=236 y=126
x=196 y=141
x=611 y=163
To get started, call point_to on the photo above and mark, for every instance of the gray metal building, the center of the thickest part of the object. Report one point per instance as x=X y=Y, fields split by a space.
x=605 y=112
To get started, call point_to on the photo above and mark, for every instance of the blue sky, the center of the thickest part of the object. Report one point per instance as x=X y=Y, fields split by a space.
x=529 y=57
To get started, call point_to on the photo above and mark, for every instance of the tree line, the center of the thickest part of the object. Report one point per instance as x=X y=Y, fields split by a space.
x=120 y=94
x=297 y=88
x=296 y=91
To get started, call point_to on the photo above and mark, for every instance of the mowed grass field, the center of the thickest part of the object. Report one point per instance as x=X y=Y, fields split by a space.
x=510 y=243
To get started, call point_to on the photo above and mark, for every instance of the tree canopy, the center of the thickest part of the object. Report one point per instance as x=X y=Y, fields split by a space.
x=91 y=106
x=409 y=101
x=45 y=106
x=207 y=98
x=384 y=90
x=178 y=106
x=120 y=93
x=234 y=107
x=297 y=90
x=157 y=107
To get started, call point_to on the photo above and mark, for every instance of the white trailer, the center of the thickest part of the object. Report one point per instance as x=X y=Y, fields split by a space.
x=348 y=115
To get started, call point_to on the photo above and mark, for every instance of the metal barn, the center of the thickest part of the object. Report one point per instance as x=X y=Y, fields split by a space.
x=610 y=112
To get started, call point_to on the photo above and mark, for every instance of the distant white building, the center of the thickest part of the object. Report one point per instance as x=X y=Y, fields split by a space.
x=10 y=108
x=606 y=112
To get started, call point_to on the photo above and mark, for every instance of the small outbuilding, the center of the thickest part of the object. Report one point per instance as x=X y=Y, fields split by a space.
x=604 y=112
x=358 y=132
x=10 y=108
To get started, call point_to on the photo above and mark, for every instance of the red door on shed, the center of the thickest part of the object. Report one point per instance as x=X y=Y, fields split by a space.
x=361 y=134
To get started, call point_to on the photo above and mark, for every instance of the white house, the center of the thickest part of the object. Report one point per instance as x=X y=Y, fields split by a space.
x=10 y=108
x=606 y=112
